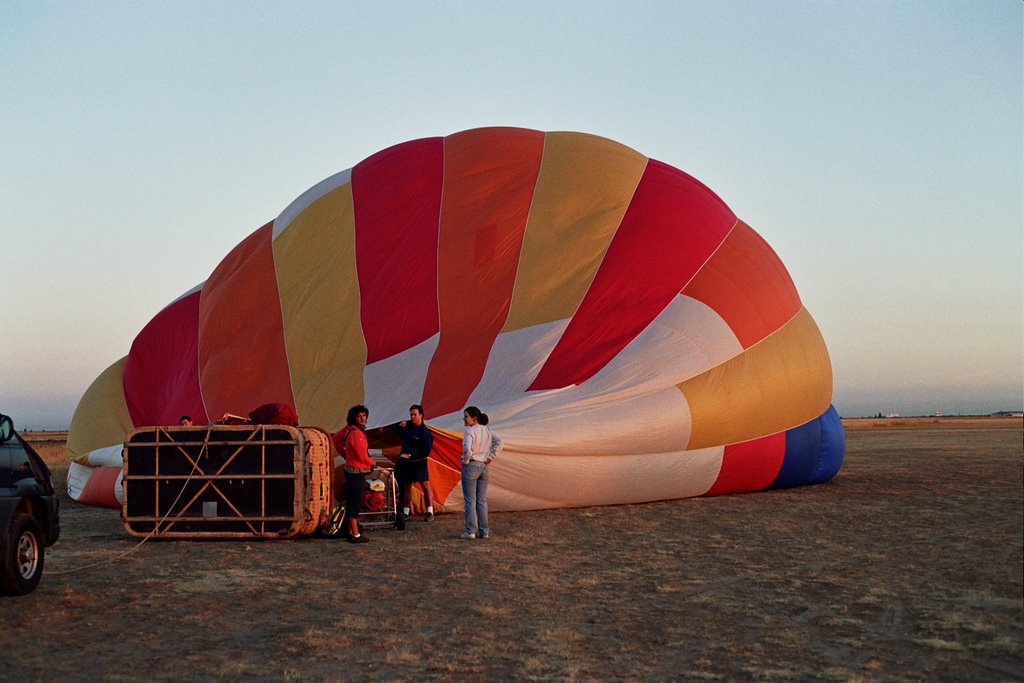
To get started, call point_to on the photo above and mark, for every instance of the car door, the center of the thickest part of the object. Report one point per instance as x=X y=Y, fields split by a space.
x=6 y=481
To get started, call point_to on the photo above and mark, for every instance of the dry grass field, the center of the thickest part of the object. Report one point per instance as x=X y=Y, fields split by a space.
x=907 y=566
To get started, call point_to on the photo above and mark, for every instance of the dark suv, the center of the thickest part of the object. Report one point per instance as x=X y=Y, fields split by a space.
x=29 y=512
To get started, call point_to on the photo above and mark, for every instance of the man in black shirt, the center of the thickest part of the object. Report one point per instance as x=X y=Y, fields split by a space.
x=411 y=465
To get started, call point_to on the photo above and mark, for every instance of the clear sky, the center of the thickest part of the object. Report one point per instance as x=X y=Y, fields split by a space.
x=877 y=146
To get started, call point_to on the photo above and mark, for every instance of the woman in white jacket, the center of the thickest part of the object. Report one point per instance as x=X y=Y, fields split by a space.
x=479 y=447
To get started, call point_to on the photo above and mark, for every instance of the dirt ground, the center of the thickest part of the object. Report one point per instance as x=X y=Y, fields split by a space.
x=907 y=566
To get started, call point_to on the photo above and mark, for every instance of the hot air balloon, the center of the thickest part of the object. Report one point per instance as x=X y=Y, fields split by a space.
x=630 y=337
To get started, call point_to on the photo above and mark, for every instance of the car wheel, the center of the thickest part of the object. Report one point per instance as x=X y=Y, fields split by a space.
x=23 y=560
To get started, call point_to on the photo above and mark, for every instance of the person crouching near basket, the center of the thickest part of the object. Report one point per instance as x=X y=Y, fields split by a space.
x=479 y=447
x=351 y=442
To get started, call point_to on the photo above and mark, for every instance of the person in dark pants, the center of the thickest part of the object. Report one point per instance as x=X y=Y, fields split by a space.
x=411 y=466
x=351 y=442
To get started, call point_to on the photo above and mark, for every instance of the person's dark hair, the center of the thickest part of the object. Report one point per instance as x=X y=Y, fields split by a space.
x=481 y=417
x=353 y=413
x=183 y=417
x=416 y=406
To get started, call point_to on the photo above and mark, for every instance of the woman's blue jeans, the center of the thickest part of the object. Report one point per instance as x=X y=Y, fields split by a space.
x=474 y=492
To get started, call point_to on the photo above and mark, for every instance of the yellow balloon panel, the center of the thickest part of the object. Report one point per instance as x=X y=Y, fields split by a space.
x=315 y=262
x=782 y=381
x=102 y=418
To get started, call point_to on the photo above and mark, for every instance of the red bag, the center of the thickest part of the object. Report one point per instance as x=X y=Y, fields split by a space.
x=373 y=501
x=274 y=414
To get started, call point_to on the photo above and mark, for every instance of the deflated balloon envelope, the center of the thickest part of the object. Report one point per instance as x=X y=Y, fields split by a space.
x=629 y=336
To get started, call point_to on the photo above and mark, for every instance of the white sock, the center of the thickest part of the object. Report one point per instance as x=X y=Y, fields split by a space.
x=405 y=511
x=430 y=509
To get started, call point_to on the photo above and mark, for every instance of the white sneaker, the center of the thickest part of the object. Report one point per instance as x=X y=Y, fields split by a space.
x=484 y=534
x=466 y=535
